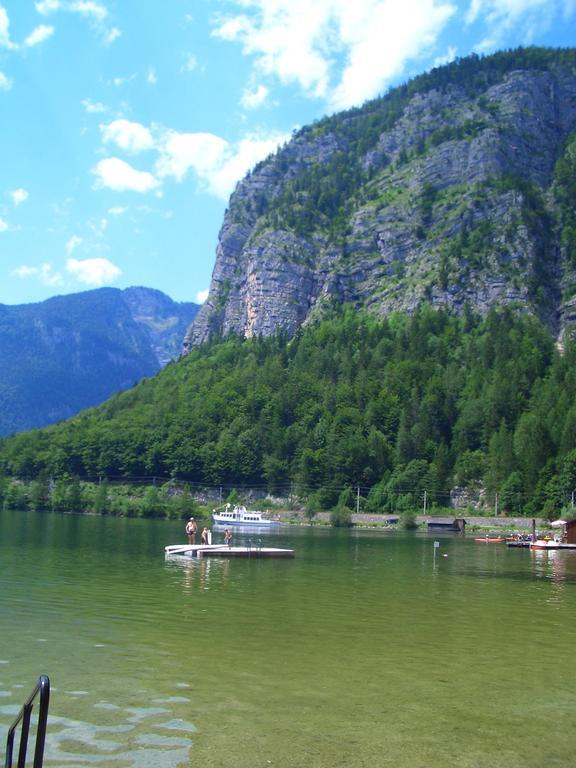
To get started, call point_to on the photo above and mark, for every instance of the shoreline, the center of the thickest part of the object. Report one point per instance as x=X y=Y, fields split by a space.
x=363 y=520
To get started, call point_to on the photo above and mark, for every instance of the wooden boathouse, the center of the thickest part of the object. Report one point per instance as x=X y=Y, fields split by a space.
x=570 y=528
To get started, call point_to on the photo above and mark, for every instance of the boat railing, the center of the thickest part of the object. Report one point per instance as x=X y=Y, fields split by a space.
x=42 y=691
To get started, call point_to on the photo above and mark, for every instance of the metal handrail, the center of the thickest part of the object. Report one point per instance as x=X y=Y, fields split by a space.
x=43 y=689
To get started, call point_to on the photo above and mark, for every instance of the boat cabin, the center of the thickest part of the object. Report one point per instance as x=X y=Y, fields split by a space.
x=457 y=524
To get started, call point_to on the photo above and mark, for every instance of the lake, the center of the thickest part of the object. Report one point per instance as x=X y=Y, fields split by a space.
x=365 y=650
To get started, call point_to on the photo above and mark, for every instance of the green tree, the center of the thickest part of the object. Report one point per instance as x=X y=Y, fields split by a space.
x=101 y=502
x=38 y=495
x=511 y=495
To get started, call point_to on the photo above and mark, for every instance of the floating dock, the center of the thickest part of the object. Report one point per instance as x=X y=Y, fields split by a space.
x=223 y=550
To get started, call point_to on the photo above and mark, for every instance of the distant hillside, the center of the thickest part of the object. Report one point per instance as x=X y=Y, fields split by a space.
x=71 y=352
x=455 y=189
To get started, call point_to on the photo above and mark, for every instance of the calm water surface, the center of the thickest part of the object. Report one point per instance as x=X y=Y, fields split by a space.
x=364 y=650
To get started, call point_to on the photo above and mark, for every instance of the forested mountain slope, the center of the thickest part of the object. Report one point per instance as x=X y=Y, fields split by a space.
x=72 y=352
x=457 y=188
x=396 y=407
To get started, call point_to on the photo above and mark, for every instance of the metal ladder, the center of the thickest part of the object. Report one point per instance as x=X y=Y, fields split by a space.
x=42 y=690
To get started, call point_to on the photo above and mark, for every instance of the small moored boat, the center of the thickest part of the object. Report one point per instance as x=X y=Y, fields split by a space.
x=551 y=544
x=489 y=539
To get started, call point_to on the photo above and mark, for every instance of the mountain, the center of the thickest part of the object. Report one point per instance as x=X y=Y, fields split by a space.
x=455 y=189
x=404 y=272
x=71 y=352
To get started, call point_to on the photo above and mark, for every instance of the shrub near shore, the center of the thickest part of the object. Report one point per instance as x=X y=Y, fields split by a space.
x=118 y=500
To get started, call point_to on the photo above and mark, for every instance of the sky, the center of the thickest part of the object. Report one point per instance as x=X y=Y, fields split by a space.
x=126 y=124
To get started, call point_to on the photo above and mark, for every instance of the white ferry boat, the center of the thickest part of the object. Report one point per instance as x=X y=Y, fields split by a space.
x=239 y=515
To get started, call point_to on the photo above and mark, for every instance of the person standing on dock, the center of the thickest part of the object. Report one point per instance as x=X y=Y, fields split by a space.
x=204 y=536
x=191 y=529
x=227 y=537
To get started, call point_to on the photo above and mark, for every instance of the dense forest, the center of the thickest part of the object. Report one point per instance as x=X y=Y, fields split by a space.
x=399 y=408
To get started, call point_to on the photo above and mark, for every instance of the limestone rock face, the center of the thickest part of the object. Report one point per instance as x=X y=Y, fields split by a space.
x=443 y=191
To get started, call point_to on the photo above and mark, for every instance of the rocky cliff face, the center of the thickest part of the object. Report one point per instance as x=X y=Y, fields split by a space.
x=445 y=191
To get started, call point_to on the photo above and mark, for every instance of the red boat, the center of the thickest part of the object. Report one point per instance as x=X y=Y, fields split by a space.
x=490 y=540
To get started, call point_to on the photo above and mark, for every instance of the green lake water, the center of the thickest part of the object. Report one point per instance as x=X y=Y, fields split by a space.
x=365 y=650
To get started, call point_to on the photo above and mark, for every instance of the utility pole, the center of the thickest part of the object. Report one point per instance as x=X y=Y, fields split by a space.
x=358 y=502
x=496 y=505
x=425 y=501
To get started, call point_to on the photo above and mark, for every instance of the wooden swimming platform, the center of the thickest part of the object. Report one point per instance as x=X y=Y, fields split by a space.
x=223 y=550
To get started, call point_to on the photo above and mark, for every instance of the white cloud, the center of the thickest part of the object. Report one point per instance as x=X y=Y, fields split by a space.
x=43 y=273
x=38 y=35
x=93 y=107
x=132 y=137
x=120 y=81
x=287 y=39
x=90 y=9
x=5 y=41
x=73 y=243
x=5 y=83
x=341 y=51
x=44 y=7
x=190 y=64
x=111 y=35
x=19 y=196
x=254 y=98
x=201 y=296
x=449 y=56
x=95 y=272
x=98 y=227
x=525 y=17
x=218 y=164
x=390 y=33
x=151 y=76
x=117 y=210
x=3 y=226
x=504 y=10
x=182 y=151
x=113 y=173
x=94 y=12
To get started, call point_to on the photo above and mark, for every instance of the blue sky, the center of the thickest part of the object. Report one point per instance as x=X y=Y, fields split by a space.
x=126 y=123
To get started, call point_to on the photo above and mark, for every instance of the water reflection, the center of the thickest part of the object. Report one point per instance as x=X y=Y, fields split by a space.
x=556 y=566
x=199 y=572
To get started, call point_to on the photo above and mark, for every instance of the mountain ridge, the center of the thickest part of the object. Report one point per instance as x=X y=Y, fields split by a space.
x=71 y=352
x=445 y=190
